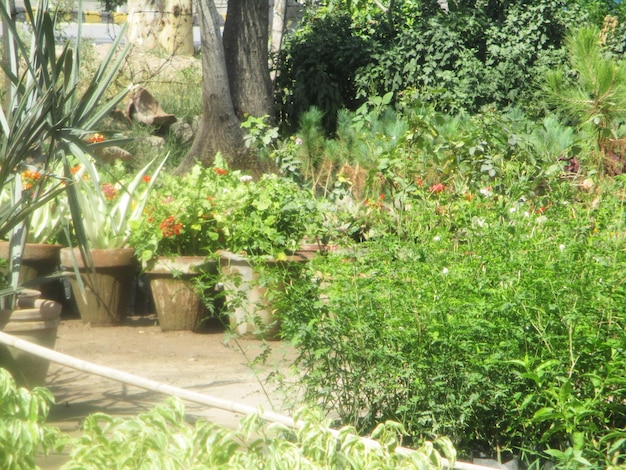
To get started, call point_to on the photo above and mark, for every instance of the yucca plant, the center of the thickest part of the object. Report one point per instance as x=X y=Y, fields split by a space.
x=595 y=97
x=46 y=117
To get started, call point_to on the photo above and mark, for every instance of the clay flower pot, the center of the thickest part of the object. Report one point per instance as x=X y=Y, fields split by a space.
x=107 y=289
x=39 y=260
x=178 y=304
x=252 y=312
x=35 y=320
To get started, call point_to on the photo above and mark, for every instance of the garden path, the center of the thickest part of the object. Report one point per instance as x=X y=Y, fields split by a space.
x=200 y=362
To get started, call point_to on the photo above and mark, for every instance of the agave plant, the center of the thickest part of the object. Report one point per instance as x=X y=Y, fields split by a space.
x=112 y=205
x=45 y=118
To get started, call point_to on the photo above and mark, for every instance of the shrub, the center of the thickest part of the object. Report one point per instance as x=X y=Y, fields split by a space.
x=477 y=54
x=161 y=438
x=317 y=67
x=23 y=429
x=498 y=324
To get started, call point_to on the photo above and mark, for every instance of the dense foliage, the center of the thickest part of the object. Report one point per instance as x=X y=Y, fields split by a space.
x=483 y=297
x=499 y=324
x=161 y=438
x=23 y=430
x=476 y=54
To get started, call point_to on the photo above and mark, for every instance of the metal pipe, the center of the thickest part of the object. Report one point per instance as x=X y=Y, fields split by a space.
x=194 y=397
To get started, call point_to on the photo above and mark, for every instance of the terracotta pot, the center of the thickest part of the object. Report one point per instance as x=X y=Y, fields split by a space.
x=35 y=320
x=39 y=260
x=252 y=312
x=177 y=302
x=108 y=288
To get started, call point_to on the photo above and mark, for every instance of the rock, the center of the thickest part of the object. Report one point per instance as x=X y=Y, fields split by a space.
x=111 y=154
x=182 y=131
x=154 y=141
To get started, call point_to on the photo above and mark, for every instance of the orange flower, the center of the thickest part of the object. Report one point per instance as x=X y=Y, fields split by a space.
x=169 y=227
x=31 y=175
x=220 y=171
x=96 y=138
x=75 y=169
x=147 y=178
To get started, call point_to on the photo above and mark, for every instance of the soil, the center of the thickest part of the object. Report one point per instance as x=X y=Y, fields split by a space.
x=202 y=363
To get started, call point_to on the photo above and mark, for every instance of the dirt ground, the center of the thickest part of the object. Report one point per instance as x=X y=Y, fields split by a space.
x=199 y=362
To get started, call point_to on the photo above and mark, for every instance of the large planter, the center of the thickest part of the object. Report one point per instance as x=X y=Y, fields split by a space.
x=108 y=288
x=35 y=320
x=251 y=312
x=178 y=304
x=39 y=260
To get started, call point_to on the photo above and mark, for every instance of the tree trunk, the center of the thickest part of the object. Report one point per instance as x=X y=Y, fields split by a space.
x=247 y=57
x=278 y=26
x=177 y=34
x=144 y=23
x=220 y=130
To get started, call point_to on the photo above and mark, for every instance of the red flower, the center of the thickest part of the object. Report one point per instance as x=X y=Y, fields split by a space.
x=437 y=188
x=147 y=178
x=220 y=171
x=170 y=228
x=541 y=210
x=96 y=138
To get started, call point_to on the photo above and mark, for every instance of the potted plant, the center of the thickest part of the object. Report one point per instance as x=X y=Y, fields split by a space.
x=103 y=288
x=173 y=240
x=41 y=252
x=43 y=118
x=263 y=223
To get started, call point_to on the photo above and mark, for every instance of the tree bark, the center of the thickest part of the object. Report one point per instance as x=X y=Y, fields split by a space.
x=176 y=37
x=278 y=26
x=220 y=130
x=246 y=35
x=144 y=23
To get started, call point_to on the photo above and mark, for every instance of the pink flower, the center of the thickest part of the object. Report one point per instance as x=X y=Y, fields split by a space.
x=109 y=191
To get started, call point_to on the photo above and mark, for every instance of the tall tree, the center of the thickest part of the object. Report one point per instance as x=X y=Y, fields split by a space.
x=232 y=85
x=144 y=23
x=168 y=23
x=246 y=49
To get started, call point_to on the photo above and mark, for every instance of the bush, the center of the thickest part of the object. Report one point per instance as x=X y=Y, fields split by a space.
x=499 y=325
x=23 y=429
x=317 y=67
x=161 y=438
x=477 y=54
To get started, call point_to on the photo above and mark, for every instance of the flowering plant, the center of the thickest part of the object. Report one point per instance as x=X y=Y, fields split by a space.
x=215 y=208
x=180 y=217
x=45 y=220
x=267 y=217
x=110 y=205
